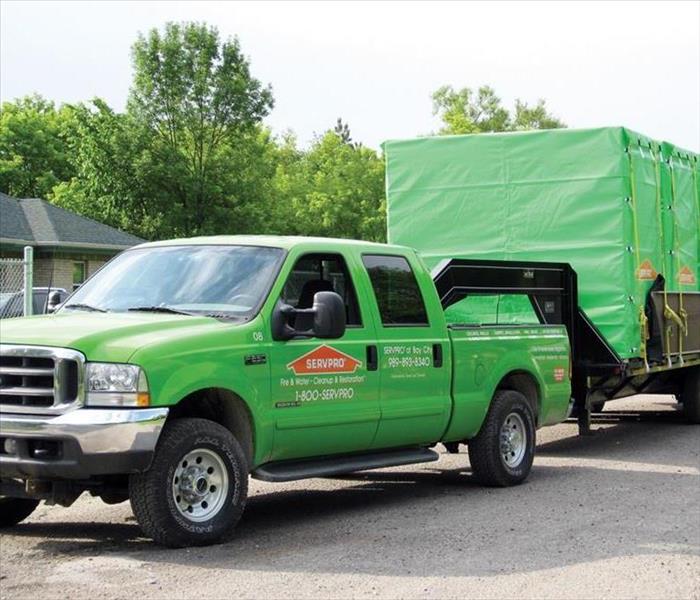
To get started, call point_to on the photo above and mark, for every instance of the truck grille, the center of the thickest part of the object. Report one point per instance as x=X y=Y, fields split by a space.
x=35 y=379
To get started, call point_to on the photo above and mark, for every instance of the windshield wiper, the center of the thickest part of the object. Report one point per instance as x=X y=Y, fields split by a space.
x=162 y=309
x=81 y=306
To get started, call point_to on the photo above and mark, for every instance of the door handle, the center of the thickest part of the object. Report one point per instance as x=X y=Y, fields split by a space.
x=372 y=360
x=437 y=355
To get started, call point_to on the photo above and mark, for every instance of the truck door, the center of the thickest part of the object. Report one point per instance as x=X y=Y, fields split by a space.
x=325 y=400
x=413 y=355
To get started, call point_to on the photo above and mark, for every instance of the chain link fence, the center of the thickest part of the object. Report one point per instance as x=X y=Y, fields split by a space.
x=15 y=279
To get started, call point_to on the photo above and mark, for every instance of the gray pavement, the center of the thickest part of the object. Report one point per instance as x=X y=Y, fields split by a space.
x=615 y=515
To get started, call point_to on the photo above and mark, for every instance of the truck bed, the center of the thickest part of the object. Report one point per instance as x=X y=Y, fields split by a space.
x=484 y=354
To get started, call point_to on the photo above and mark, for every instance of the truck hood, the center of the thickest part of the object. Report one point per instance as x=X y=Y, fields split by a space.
x=111 y=337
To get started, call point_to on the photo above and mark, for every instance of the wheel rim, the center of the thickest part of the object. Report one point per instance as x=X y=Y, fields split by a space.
x=513 y=440
x=200 y=485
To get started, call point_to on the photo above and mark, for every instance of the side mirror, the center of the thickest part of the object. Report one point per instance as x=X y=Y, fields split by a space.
x=329 y=315
x=326 y=319
x=53 y=302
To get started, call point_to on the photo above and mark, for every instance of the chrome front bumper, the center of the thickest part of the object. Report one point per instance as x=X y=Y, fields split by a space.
x=79 y=444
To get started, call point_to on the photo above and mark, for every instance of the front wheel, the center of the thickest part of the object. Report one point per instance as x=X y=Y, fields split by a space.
x=196 y=489
x=15 y=510
x=502 y=452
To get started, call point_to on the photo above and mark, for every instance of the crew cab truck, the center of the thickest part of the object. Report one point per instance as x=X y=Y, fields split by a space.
x=182 y=367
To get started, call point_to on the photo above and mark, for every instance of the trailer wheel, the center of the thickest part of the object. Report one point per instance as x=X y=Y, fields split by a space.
x=15 y=510
x=691 y=396
x=502 y=452
x=195 y=491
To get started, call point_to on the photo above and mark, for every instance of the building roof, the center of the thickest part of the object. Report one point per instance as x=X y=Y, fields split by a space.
x=35 y=222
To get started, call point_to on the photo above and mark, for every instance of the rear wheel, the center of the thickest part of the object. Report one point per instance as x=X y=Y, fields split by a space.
x=195 y=491
x=15 y=510
x=691 y=396
x=502 y=452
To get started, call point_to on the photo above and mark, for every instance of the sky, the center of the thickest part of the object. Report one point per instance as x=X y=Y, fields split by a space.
x=376 y=64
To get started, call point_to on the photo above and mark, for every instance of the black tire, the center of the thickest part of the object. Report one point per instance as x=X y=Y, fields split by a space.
x=691 y=396
x=15 y=510
x=488 y=462
x=153 y=494
x=451 y=447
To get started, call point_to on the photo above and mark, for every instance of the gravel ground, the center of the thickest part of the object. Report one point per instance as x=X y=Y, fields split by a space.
x=615 y=515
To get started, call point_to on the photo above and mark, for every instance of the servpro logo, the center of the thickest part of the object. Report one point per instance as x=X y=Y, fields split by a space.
x=324 y=359
x=686 y=276
x=646 y=271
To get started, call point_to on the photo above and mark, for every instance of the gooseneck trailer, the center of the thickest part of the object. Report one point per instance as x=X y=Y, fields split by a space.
x=596 y=229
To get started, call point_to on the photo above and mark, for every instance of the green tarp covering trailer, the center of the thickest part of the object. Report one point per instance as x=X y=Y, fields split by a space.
x=622 y=209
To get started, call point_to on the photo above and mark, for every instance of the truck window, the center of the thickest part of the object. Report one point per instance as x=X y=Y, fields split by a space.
x=217 y=280
x=396 y=290
x=322 y=273
x=492 y=309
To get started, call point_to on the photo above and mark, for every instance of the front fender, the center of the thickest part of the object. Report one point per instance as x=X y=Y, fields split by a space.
x=187 y=366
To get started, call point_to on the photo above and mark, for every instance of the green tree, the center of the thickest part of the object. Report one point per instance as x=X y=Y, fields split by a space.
x=342 y=130
x=33 y=153
x=335 y=189
x=198 y=100
x=112 y=182
x=189 y=155
x=122 y=180
x=534 y=117
x=464 y=111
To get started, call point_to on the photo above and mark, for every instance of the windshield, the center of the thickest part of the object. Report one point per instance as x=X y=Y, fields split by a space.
x=221 y=281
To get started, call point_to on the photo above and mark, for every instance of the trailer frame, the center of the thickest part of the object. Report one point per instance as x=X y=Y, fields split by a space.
x=598 y=374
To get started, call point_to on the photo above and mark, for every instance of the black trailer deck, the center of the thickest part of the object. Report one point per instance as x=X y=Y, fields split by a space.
x=598 y=374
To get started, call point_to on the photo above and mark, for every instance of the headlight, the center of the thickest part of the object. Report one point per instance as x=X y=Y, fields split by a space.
x=114 y=384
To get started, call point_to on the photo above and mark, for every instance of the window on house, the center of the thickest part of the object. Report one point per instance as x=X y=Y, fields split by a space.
x=79 y=273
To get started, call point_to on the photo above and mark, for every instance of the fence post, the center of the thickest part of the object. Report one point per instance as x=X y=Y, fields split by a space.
x=28 y=280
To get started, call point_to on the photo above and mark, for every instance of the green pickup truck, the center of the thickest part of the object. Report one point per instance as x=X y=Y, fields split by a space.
x=182 y=367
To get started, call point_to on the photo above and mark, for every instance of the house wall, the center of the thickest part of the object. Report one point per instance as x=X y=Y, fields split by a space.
x=51 y=268
x=58 y=271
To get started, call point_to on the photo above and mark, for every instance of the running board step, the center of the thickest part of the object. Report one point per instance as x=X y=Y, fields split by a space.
x=291 y=470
